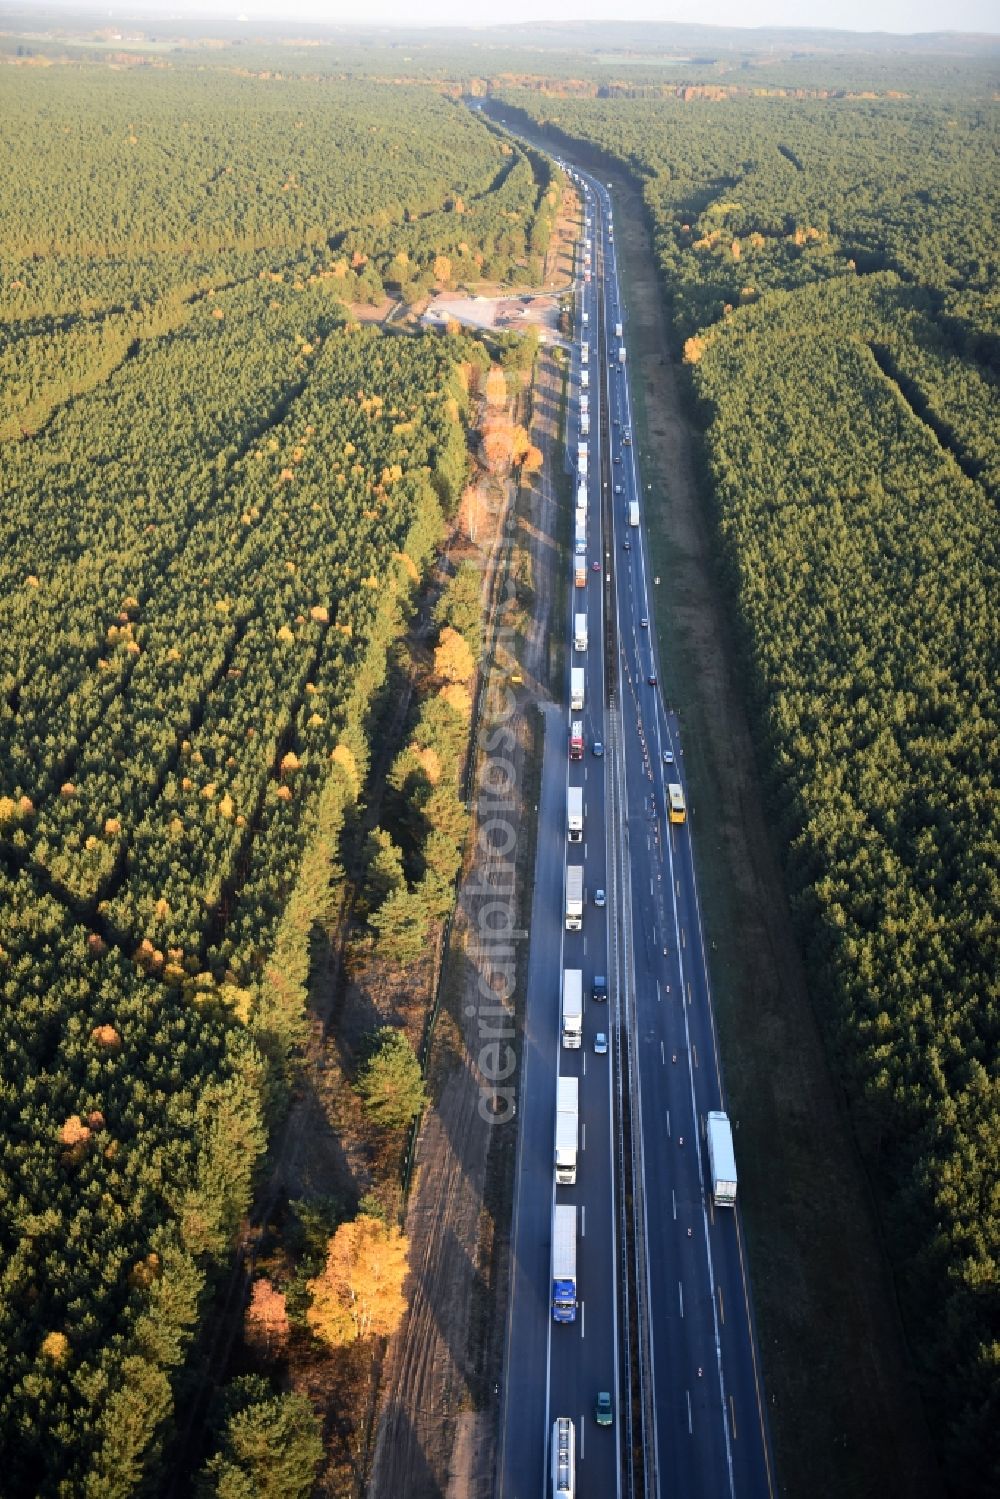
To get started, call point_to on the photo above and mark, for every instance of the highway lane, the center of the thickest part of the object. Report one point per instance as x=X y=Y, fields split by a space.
x=551 y=1369
x=523 y=1442
x=711 y=1433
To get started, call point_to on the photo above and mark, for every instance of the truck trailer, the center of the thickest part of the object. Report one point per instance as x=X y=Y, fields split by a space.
x=580 y=632
x=580 y=568
x=585 y=423
x=576 y=739
x=580 y=538
x=567 y=1129
x=633 y=512
x=621 y=354
x=574 y=812
x=618 y=330
x=574 y=897
x=581 y=496
x=563 y=1458
x=564 y=1263
x=585 y=378
x=576 y=688
x=572 y=999
x=721 y=1159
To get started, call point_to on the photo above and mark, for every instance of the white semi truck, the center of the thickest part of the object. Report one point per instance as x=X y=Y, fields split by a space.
x=580 y=538
x=581 y=496
x=576 y=688
x=564 y=1263
x=721 y=1159
x=567 y=1129
x=621 y=354
x=572 y=997
x=574 y=897
x=585 y=423
x=580 y=632
x=585 y=378
x=633 y=512
x=618 y=330
x=580 y=568
x=574 y=814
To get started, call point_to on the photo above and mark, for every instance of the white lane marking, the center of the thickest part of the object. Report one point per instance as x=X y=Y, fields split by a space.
x=583 y=1221
x=680 y=1296
x=690 y=1427
x=663 y=1056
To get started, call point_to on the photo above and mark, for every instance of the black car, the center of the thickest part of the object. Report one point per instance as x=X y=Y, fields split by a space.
x=652 y=679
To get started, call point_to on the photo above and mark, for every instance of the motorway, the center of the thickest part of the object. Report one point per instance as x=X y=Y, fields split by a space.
x=699 y=1401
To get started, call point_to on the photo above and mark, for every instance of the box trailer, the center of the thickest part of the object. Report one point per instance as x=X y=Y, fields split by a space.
x=574 y=813
x=633 y=512
x=567 y=1129
x=576 y=739
x=576 y=687
x=721 y=1159
x=572 y=1004
x=574 y=897
x=580 y=632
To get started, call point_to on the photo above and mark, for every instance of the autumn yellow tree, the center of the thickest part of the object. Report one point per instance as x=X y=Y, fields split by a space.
x=442 y=269
x=453 y=660
x=496 y=387
x=359 y=1292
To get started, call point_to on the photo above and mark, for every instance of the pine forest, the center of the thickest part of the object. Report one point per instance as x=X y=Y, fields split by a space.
x=229 y=457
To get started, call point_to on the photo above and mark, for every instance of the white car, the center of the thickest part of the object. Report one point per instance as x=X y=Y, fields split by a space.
x=601 y=1044
x=599 y=897
x=668 y=757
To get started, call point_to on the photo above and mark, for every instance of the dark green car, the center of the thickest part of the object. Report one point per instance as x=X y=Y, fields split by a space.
x=602 y=1409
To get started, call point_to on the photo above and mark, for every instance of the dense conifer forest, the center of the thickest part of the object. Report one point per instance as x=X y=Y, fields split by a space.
x=219 y=493
x=831 y=271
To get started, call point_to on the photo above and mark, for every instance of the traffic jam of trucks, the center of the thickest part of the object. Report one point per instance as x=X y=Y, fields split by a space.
x=568 y=1131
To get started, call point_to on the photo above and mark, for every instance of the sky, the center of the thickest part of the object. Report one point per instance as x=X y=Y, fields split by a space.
x=847 y=15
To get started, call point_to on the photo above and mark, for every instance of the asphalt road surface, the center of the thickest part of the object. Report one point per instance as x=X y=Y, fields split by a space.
x=709 y=1433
